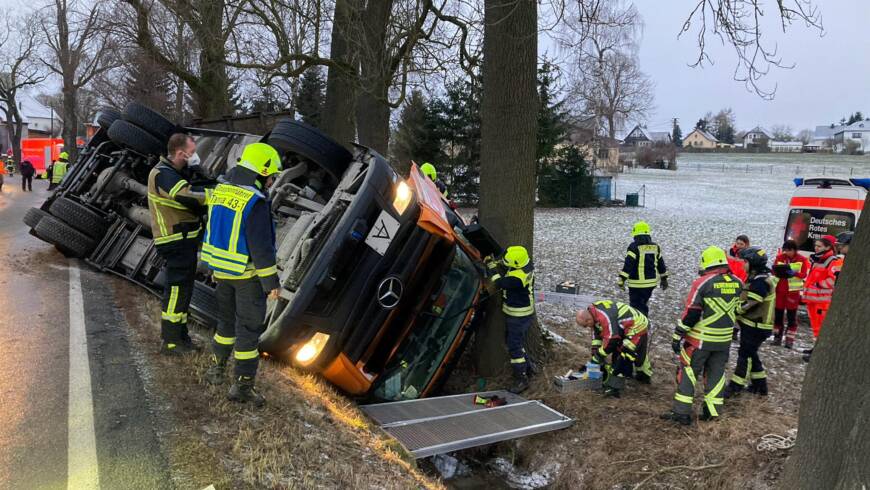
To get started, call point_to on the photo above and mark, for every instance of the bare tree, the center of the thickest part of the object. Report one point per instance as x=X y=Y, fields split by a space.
x=19 y=69
x=782 y=132
x=805 y=136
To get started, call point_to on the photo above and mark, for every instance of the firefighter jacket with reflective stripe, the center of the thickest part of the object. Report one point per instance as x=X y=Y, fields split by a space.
x=644 y=265
x=618 y=327
x=799 y=267
x=518 y=290
x=821 y=278
x=711 y=310
x=758 y=302
x=58 y=170
x=240 y=235
x=175 y=205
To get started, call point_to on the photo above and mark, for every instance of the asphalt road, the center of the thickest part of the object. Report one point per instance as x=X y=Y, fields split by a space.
x=58 y=430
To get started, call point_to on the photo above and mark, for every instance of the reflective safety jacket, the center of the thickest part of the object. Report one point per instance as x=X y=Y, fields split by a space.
x=758 y=302
x=735 y=264
x=518 y=290
x=174 y=204
x=799 y=267
x=644 y=265
x=711 y=310
x=58 y=170
x=240 y=236
x=821 y=278
x=618 y=328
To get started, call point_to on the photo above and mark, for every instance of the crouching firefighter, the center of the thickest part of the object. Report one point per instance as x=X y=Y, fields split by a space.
x=517 y=283
x=703 y=336
x=239 y=247
x=619 y=331
x=755 y=318
x=175 y=208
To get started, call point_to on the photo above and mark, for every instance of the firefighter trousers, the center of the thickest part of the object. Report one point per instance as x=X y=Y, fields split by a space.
x=179 y=272
x=625 y=367
x=638 y=298
x=817 y=313
x=749 y=365
x=516 y=328
x=780 y=327
x=242 y=304
x=695 y=365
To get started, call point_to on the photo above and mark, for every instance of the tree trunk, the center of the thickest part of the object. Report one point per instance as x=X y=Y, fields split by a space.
x=70 y=117
x=373 y=110
x=508 y=144
x=338 y=111
x=212 y=95
x=834 y=425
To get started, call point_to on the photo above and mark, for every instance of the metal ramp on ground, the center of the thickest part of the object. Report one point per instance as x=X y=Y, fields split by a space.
x=438 y=425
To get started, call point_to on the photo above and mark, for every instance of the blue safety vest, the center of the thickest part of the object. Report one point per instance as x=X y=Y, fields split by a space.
x=225 y=248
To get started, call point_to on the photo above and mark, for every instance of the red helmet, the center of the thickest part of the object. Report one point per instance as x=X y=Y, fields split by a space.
x=829 y=239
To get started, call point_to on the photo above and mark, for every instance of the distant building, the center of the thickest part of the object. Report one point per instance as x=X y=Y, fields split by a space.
x=39 y=120
x=640 y=137
x=602 y=152
x=786 y=146
x=700 y=139
x=758 y=137
x=855 y=134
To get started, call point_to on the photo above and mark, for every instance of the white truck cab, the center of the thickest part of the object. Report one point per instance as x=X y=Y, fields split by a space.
x=824 y=206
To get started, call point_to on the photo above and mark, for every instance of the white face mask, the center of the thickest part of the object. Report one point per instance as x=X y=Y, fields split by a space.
x=193 y=160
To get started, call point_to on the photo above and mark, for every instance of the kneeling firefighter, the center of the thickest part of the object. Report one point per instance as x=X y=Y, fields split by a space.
x=517 y=282
x=239 y=247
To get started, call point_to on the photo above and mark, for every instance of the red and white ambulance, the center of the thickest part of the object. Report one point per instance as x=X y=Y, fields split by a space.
x=824 y=206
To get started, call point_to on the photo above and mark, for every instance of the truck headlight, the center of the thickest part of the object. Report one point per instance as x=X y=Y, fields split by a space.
x=311 y=349
x=403 y=197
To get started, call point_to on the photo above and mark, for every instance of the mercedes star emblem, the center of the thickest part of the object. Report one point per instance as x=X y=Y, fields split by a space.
x=390 y=292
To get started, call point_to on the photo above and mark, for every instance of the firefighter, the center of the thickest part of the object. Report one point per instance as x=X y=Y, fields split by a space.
x=429 y=171
x=644 y=268
x=819 y=286
x=791 y=268
x=58 y=169
x=239 y=248
x=175 y=208
x=618 y=331
x=702 y=337
x=755 y=318
x=517 y=282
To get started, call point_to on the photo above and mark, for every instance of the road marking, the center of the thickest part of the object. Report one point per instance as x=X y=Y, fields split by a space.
x=82 y=469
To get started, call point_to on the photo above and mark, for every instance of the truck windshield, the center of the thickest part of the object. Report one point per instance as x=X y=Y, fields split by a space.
x=806 y=225
x=423 y=351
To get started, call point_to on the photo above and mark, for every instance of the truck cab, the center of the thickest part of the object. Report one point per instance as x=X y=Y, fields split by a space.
x=824 y=206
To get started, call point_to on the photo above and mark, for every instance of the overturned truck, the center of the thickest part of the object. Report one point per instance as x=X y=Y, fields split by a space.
x=382 y=283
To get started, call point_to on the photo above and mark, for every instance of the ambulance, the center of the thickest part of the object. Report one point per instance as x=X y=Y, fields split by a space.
x=824 y=206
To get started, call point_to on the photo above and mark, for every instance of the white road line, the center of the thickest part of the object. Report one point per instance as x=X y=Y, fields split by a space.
x=82 y=469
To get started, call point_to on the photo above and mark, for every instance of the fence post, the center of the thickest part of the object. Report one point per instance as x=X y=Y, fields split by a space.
x=747 y=168
x=823 y=170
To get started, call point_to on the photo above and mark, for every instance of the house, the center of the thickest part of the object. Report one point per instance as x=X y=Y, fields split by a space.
x=640 y=137
x=786 y=146
x=39 y=121
x=854 y=137
x=601 y=151
x=700 y=139
x=758 y=137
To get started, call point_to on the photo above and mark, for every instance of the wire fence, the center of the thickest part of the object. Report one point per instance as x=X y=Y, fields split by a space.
x=770 y=169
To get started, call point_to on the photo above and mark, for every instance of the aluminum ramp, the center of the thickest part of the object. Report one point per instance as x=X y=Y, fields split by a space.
x=431 y=426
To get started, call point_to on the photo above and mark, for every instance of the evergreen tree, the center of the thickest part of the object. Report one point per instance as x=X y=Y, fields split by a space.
x=701 y=124
x=310 y=98
x=460 y=138
x=566 y=181
x=553 y=123
x=677 y=134
x=418 y=134
x=147 y=83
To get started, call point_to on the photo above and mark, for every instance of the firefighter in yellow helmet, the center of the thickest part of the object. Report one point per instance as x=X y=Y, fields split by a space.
x=429 y=171
x=643 y=268
x=58 y=169
x=239 y=248
x=516 y=279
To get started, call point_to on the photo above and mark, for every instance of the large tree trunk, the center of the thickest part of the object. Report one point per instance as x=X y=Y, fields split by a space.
x=373 y=110
x=70 y=118
x=508 y=144
x=212 y=95
x=337 y=119
x=833 y=446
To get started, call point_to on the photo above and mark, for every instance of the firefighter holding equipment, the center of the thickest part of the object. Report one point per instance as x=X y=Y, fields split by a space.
x=644 y=268
x=175 y=208
x=239 y=248
x=755 y=318
x=621 y=333
x=702 y=337
x=791 y=269
x=516 y=279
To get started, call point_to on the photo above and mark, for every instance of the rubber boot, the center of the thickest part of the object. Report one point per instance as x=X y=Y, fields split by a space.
x=777 y=340
x=610 y=392
x=242 y=391
x=758 y=387
x=521 y=384
x=190 y=343
x=216 y=374
x=642 y=378
x=732 y=390
x=682 y=419
x=706 y=416
x=173 y=349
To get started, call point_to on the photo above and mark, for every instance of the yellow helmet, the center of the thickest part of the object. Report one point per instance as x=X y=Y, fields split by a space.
x=63 y=156
x=516 y=257
x=640 y=228
x=429 y=171
x=261 y=158
x=712 y=257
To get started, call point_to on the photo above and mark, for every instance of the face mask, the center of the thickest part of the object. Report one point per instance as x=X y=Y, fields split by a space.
x=193 y=160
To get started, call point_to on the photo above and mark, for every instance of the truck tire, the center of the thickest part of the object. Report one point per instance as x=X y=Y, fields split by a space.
x=66 y=238
x=33 y=216
x=106 y=116
x=79 y=216
x=149 y=120
x=309 y=142
x=127 y=134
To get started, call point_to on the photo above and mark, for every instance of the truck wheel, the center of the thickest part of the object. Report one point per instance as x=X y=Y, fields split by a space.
x=151 y=121
x=127 y=134
x=66 y=238
x=106 y=116
x=79 y=217
x=309 y=142
x=33 y=216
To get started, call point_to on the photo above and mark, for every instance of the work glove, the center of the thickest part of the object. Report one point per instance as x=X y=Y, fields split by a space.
x=664 y=283
x=677 y=343
x=621 y=283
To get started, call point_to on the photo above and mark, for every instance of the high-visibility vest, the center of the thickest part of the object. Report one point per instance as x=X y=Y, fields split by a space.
x=225 y=248
x=820 y=281
x=718 y=297
x=761 y=315
x=795 y=283
x=515 y=303
x=58 y=170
